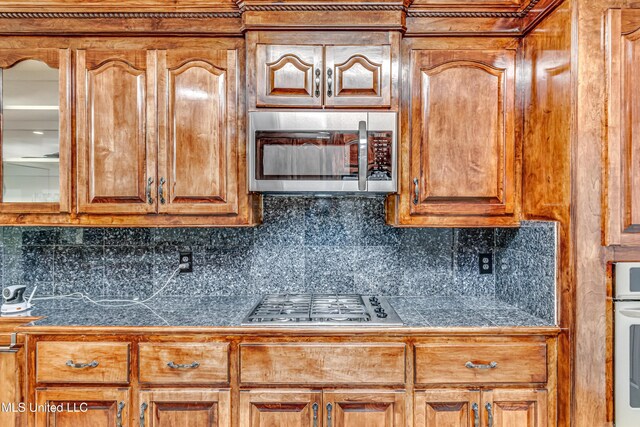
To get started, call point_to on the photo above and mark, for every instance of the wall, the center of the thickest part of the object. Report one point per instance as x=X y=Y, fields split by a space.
x=320 y=245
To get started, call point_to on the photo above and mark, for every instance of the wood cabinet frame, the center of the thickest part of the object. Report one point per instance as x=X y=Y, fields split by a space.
x=241 y=208
x=60 y=59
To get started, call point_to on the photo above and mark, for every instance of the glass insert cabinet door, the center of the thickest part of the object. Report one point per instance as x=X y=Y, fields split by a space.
x=35 y=130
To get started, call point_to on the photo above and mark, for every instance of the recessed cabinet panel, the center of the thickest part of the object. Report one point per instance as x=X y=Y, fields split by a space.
x=270 y=408
x=289 y=76
x=116 y=128
x=462 y=133
x=522 y=408
x=198 y=140
x=187 y=408
x=94 y=407
x=622 y=202
x=360 y=76
x=447 y=408
x=365 y=409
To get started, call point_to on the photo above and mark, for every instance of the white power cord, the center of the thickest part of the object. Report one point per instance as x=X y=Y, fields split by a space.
x=118 y=302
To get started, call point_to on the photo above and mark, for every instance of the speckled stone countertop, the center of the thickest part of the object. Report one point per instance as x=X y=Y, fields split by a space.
x=229 y=311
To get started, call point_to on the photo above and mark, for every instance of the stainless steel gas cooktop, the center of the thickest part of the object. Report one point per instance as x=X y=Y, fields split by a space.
x=322 y=310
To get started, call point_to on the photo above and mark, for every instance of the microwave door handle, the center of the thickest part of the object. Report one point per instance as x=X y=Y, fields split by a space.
x=363 y=160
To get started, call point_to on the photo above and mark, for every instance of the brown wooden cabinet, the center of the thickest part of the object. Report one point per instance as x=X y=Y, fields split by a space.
x=35 y=130
x=622 y=193
x=374 y=408
x=11 y=371
x=82 y=407
x=323 y=73
x=291 y=408
x=346 y=408
x=198 y=132
x=185 y=408
x=460 y=158
x=158 y=132
x=116 y=131
x=473 y=408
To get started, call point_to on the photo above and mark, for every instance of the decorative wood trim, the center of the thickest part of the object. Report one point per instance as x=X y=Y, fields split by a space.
x=269 y=8
x=436 y=14
x=119 y=15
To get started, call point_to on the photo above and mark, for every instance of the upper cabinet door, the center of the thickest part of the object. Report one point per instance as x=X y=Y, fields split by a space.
x=115 y=120
x=622 y=201
x=462 y=150
x=35 y=130
x=289 y=76
x=198 y=122
x=358 y=76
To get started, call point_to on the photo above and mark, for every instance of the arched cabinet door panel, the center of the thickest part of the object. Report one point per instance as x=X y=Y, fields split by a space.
x=35 y=130
x=115 y=120
x=462 y=147
x=361 y=76
x=289 y=76
x=198 y=122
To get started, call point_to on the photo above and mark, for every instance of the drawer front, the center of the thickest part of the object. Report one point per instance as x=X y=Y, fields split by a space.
x=322 y=364
x=481 y=363
x=73 y=362
x=184 y=363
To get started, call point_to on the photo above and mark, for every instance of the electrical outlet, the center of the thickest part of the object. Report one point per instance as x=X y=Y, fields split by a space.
x=186 y=258
x=485 y=263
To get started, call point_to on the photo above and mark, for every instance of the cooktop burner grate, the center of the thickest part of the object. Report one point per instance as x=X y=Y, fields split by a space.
x=322 y=309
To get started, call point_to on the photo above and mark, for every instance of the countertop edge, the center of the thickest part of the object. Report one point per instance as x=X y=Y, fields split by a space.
x=287 y=331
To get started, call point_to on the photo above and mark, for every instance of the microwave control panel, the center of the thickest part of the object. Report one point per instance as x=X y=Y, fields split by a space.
x=380 y=155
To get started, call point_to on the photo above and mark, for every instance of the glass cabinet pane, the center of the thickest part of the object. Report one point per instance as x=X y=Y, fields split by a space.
x=30 y=133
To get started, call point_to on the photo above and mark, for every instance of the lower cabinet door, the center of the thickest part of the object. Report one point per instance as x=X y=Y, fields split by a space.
x=184 y=408
x=280 y=408
x=447 y=408
x=513 y=407
x=82 y=407
x=364 y=409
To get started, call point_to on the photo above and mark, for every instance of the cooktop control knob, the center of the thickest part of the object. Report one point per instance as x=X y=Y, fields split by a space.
x=382 y=315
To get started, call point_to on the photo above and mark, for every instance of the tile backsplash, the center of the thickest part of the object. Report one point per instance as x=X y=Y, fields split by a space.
x=305 y=245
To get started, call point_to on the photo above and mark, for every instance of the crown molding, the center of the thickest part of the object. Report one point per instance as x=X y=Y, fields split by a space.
x=466 y=14
x=119 y=15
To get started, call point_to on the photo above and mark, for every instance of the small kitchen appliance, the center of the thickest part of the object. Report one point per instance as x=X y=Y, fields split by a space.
x=627 y=344
x=322 y=310
x=322 y=152
x=14 y=301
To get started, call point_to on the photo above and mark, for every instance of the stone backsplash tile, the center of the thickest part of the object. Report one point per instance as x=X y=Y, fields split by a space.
x=305 y=244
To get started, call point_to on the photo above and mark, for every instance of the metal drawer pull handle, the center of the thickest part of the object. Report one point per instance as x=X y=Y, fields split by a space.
x=329 y=82
x=149 y=198
x=318 y=82
x=472 y=365
x=476 y=415
x=186 y=366
x=93 y=364
x=143 y=408
x=489 y=414
x=119 y=414
x=161 y=191
x=315 y=414
x=329 y=407
x=416 y=191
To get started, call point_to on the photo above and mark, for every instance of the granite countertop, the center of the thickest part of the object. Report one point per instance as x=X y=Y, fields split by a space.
x=229 y=311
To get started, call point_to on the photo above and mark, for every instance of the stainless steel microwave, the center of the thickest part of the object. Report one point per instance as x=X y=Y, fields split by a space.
x=322 y=152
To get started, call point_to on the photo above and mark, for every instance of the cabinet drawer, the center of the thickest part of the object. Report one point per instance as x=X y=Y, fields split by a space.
x=73 y=362
x=449 y=363
x=322 y=363
x=178 y=363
